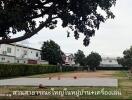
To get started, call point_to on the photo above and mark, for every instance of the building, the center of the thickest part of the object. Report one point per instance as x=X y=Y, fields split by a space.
x=109 y=62
x=15 y=53
x=69 y=59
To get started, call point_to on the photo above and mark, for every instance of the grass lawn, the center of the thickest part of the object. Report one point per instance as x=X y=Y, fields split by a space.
x=125 y=86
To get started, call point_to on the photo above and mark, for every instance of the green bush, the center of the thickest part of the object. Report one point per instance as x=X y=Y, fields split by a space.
x=14 y=70
x=68 y=68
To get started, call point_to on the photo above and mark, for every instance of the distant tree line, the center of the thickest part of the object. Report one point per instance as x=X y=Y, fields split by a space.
x=126 y=60
x=52 y=52
x=92 y=60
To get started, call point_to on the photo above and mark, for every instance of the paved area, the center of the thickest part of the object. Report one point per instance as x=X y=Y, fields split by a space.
x=61 y=82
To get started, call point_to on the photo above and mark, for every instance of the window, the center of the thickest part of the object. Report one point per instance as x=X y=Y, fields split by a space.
x=2 y=58
x=25 y=52
x=17 y=49
x=17 y=61
x=110 y=61
x=36 y=54
x=4 y=52
x=8 y=50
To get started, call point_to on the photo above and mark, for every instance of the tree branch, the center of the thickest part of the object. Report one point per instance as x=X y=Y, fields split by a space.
x=28 y=35
x=47 y=10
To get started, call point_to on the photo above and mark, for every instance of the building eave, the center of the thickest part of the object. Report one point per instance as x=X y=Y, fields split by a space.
x=24 y=46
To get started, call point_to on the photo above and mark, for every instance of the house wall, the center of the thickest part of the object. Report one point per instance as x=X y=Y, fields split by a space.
x=19 y=54
x=30 y=54
x=7 y=59
x=69 y=59
x=42 y=62
x=109 y=62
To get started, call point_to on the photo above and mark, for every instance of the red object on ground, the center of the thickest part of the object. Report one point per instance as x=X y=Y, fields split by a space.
x=49 y=78
x=75 y=77
x=59 y=78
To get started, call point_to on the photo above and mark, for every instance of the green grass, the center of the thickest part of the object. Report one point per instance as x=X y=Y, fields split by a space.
x=120 y=74
x=125 y=86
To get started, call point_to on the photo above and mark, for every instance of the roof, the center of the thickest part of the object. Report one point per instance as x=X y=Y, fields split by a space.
x=109 y=58
x=68 y=54
x=18 y=45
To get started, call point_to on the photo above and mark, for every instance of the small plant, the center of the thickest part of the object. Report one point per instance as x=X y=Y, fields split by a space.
x=14 y=70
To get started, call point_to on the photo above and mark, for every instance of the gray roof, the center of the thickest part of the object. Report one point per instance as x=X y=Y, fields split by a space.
x=18 y=45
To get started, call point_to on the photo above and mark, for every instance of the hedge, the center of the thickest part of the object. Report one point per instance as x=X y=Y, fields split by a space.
x=73 y=68
x=14 y=70
x=68 y=68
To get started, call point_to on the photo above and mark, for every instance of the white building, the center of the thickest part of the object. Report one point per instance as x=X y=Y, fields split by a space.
x=69 y=59
x=15 y=53
x=109 y=62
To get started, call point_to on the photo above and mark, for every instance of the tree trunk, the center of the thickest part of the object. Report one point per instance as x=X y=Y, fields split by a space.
x=94 y=68
x=130 y=73
x=131 y=70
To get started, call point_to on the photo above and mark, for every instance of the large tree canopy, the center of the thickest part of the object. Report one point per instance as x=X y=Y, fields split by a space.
x=51 y=52
x=93 y=60
x=126 y=60
x=81 y=16
x=80 y=58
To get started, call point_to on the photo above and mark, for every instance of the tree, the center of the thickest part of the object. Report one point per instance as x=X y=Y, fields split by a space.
x=80 y=58
x=51 y=52
x=126 y=60
x=93 y=60
x=80 y=16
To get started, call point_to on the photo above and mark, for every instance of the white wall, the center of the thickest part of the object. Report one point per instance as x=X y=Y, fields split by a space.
x=43 y=62
x=109 y=61
x=19 y=52
x=7 y=59
x=3 y=47
x=69 y=60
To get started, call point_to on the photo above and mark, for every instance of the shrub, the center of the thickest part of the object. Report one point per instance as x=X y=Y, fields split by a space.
x=67 y=68
x=13 y=70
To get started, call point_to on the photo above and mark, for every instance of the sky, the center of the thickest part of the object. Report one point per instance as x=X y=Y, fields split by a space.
x=113 y=37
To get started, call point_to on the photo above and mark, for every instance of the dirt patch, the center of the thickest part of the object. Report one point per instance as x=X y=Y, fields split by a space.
x=87 y=74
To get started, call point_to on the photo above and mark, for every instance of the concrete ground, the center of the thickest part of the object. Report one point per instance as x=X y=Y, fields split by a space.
x=98 y=78
x=60 y=82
